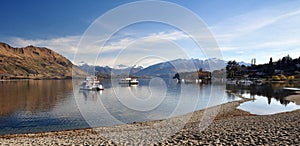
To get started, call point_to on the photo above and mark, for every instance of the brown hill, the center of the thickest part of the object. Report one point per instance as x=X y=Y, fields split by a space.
x=34 y=63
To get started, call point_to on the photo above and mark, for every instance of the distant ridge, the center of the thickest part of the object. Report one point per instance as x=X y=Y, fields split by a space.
x=181 y=65
x=34 y=63
x=167 y=69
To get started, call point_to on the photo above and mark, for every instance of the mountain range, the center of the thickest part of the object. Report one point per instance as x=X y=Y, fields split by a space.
x=42 y=63
x=168 y=68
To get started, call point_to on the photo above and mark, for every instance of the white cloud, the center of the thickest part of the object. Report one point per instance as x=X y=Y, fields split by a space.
x=172 y=36
x=271 y=31
x=143 y=51
x=147 y=49
x=251 y=21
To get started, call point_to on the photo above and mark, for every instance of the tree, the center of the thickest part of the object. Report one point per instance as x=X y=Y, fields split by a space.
x=284 y=60
x=289 y=60
x=270 y=69
x=232 y=67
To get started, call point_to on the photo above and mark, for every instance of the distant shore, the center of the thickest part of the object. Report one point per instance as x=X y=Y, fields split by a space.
x=40 y=78
x=230 y=126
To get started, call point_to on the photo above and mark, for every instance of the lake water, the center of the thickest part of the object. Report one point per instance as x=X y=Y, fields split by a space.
x=267 y=99
x=51 y=105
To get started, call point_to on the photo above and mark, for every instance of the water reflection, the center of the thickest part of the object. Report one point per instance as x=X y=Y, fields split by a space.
x=90 y=95
x=269 y=91
x=50 y=105
x=259 y=106
x=267 y=99
x=31 y=95
x=150 y=100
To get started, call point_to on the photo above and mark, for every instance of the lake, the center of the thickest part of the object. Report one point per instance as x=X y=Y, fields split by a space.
x=50 y=105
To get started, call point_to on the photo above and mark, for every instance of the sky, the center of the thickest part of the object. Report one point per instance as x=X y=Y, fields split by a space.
x=242 y=30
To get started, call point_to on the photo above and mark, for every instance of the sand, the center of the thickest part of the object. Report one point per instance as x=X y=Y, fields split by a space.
x=294 y=98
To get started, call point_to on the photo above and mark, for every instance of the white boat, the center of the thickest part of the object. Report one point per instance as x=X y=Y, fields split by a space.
x=293 y=89
x=91 y=83
x=134 y=82
x=245 y=82
x=125 y=81
x=128 y=81
x=231 y=82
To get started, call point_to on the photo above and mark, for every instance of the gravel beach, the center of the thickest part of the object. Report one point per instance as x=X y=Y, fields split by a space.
x=218 y=125
x=294 y=98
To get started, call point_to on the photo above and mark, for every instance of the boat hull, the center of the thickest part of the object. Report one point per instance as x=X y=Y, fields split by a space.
x=92 y=89
x=129 y=81
x=133 y=83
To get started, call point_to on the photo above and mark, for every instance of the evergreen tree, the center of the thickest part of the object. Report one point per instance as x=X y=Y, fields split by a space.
x=271 y=67
x=232 y=67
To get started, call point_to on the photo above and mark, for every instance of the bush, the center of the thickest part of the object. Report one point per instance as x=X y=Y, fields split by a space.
x=283 y=77
x=291 y=78
x=276 y=78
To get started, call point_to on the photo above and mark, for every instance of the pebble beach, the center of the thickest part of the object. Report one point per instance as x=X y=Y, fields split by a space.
x=223 y=125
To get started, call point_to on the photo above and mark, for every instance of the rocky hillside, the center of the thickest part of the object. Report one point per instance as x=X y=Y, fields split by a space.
x=34 y=63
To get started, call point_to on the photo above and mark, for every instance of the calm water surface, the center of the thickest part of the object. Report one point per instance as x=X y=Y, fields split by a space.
x=51 y=105
x=267 y=99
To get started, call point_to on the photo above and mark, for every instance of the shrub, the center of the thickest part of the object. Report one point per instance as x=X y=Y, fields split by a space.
x=283 y=77
x=291 y=78
x=276 y=78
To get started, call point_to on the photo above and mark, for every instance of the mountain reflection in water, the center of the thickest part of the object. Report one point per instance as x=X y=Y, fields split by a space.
x=32 y=95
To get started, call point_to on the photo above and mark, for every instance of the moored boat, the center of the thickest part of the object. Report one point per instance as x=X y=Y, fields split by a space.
x=129 y=81
x=91 y=83
x=245 y=82
x=134 y=82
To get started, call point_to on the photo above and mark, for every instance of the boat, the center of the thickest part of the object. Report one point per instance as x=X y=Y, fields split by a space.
x=231 y=82
x=125 y=81
x=245 y=82
x=91 y=83
x=129 y=81
x=292 y=89
x=134 y=82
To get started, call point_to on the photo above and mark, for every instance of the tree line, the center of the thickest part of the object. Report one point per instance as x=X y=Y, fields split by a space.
x=285 y=66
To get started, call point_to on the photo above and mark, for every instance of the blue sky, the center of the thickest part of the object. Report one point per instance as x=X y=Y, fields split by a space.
x=243 y=29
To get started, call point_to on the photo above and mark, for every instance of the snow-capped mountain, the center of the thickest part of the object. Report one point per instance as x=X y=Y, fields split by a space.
x=168 y=68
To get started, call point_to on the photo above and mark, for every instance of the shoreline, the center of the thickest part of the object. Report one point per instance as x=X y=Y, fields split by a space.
x=27 y=79
x=294 y=98
x=227 y=121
